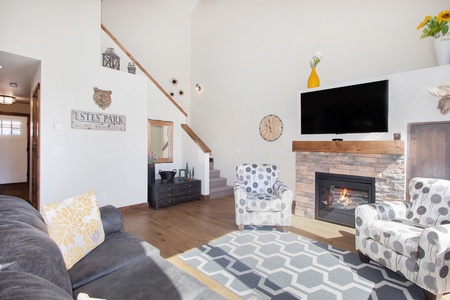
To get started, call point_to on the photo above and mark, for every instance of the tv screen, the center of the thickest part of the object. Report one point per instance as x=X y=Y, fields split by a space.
x=360 y=108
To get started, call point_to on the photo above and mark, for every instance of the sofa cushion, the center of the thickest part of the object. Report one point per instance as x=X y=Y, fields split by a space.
x=24 y=286
x=430 y=201
x=400 y=235
x=117 y=251
x=25 y=248
x=75 y=225
x=151 y=277
x=263 y=202
x=14 y=208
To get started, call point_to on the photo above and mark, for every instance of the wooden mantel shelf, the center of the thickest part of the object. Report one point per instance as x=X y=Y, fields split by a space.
x=364 y=147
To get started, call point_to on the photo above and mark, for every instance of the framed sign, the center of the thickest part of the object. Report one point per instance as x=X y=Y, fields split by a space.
x=98 y=121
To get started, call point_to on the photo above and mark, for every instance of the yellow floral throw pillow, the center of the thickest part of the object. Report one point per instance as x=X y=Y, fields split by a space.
x=75 y=225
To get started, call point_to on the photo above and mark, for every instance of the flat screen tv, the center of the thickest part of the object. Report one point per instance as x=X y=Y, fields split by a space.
x=360 y=108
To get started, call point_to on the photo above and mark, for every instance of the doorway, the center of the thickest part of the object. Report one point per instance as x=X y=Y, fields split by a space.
x=19 y=78
x=14 y=145
x=13 y=149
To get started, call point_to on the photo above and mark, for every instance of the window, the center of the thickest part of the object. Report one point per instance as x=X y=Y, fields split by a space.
x=10 y=127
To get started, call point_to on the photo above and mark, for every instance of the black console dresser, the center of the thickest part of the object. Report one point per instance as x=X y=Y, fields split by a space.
x=167 y=193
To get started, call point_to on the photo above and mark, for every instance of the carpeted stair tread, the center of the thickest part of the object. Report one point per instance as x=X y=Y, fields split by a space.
x=214 y=173
x=217 y=182
x=221 y=191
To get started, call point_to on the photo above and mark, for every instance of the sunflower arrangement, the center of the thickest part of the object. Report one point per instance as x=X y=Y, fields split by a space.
x=436 y=26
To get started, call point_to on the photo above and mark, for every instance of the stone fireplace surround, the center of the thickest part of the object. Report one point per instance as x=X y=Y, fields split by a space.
x=383 y=160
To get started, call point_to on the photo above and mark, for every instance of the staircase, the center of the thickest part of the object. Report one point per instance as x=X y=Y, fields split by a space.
x=218 y=185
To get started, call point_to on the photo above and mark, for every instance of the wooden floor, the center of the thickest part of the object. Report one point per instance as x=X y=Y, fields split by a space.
x=179 y=228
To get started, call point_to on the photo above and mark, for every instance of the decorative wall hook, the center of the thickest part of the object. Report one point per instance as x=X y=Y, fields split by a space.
x=444 y=92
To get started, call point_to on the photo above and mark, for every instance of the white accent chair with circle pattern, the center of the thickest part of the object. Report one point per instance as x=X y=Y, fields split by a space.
x=410 y=238
x=260 y=198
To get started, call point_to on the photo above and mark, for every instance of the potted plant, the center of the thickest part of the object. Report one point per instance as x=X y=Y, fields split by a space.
x=437 y=27
x=313 y=80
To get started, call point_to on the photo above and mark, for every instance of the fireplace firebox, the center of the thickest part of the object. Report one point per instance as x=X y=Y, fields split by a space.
x=337 y=196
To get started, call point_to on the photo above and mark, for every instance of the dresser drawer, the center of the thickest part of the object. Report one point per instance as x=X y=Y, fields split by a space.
x=163 y=194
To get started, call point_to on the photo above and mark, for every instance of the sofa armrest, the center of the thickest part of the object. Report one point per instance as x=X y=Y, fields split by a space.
x=434 y=258
x=112 y=219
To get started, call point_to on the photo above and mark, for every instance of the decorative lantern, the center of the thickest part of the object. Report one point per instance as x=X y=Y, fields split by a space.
x=111 y=59
x=131 y=68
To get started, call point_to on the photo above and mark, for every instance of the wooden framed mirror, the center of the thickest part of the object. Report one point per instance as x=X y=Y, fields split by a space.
x=160 y=140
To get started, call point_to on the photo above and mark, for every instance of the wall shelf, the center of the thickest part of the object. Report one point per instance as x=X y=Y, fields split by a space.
x=365 y=147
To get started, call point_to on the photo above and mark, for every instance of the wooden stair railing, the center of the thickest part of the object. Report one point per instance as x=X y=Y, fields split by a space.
x=195 y=138
x=142 y=69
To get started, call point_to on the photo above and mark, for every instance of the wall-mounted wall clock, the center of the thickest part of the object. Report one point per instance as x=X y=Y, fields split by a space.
x=271 y=128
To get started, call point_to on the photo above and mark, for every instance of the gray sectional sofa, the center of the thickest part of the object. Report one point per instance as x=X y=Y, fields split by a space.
x=122 y=267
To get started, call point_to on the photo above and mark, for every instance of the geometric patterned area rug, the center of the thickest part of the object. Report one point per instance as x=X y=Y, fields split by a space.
x=264 y=263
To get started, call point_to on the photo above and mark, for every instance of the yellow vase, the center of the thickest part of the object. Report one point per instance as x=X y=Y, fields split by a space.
x=313 y=80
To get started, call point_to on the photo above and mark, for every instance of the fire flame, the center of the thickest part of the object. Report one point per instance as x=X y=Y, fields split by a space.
x=343 y=197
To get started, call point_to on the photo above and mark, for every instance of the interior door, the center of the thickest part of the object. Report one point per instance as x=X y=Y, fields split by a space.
x=13 y=149
x=429 y=150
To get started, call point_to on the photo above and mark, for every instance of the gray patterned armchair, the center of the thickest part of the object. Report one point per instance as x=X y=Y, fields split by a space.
x=260 y=198
x=412 y=239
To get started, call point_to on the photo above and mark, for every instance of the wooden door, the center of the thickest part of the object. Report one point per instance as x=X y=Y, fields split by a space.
x=35 y=146
x=429 y=150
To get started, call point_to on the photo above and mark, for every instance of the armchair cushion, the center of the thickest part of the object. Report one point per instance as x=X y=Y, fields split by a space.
x=263 y=202
x=401 y=235
x=258 y=178
x=429 y=204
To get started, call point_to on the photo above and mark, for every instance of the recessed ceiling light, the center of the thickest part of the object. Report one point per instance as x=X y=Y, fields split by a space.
x=13 y=84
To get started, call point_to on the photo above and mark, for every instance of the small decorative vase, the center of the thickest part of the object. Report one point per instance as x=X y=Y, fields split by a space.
x=151 y=173
x=442 y=50
x=313 y=80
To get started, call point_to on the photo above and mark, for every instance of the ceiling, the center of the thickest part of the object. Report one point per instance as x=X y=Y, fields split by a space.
x=187 y=5
x=18 y=69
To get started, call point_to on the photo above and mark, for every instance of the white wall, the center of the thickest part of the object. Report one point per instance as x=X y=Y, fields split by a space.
x=252 y=57
x=157 y=33
x=66 y=37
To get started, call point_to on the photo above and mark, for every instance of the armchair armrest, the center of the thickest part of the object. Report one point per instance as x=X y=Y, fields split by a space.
x=283 y=192
x=365 y=214
x=381 y=211
x=240 y=199
x=434 y=258
x=112 y=219
x=239 y=191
